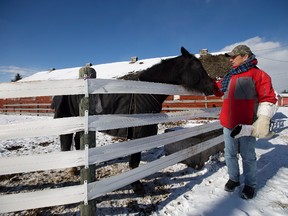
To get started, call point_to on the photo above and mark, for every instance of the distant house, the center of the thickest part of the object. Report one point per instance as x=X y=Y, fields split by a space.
x=283 y=99
x=133 y=59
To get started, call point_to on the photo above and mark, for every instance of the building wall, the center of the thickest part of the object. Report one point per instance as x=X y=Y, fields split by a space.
x=283 y=100
x=185 y=101
x=42 y=105
x=29 y=105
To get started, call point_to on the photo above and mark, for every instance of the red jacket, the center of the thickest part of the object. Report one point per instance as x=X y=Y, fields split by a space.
x=245 y=91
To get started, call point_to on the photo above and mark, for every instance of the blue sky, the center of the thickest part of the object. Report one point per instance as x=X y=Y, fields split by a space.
x=39 y=35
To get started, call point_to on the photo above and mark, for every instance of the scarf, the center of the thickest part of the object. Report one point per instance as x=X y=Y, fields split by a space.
x=247 y=65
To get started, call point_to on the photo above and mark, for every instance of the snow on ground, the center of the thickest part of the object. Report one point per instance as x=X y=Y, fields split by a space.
x=176 y=190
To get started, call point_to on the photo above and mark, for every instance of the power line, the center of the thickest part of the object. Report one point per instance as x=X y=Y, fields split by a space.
x=274 y=48
x=272 y=59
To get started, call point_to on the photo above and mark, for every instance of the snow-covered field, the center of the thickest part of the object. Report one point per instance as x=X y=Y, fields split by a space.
x=176 y=190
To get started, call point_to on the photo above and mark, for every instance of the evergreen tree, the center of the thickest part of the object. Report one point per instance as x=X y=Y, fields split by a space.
x=17 y=77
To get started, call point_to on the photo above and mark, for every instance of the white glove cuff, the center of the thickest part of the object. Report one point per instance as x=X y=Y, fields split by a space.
x=267 y=109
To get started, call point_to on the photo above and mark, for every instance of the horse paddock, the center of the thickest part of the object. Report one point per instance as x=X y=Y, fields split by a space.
x=161 y=187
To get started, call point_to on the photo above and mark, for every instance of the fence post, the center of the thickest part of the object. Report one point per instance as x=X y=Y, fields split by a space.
x=87 y=173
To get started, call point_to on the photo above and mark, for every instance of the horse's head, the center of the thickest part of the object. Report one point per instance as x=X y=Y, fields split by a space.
x=185 y=70
x=193 y=75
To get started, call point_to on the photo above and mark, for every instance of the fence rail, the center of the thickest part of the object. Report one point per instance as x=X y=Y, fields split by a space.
x=97 y=123
x=90 y=86
x=61 y=160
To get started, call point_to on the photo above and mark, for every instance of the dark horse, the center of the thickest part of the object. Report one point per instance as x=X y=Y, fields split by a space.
x=185 y=70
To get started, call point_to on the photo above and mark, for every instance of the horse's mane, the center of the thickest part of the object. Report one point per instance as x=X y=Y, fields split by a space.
x=163 y=71
x=165 y=63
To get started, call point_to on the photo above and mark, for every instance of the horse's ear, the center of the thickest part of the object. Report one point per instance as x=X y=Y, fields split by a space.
x=185 y=53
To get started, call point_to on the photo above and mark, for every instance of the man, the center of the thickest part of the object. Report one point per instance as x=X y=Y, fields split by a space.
x=248 y=96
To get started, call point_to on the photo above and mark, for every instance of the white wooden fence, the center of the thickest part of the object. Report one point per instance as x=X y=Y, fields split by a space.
x=59 y=160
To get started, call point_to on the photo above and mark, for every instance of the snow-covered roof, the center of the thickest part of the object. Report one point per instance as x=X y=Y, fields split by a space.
x=104 y=71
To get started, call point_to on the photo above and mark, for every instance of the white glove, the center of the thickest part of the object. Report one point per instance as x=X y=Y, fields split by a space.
x=265 y=112
x=242 y=130
x=262 y=127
